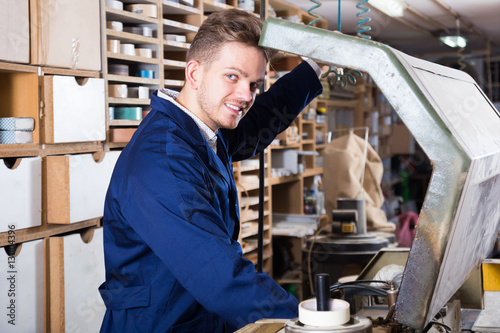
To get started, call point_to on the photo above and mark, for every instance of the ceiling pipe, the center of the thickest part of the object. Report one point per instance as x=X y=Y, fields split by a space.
x=426 y=18
x=406 y=22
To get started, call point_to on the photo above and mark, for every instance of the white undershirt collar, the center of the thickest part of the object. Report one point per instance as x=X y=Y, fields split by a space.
x=211 y=136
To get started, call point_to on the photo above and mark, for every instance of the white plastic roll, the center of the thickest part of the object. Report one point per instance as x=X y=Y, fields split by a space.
x=114 y=4
x=174 y=37
x=118 y=90
x=114 y=25
x=128 y=49
x=144 y=52
x=17 y=124
x=338 y=314
x=133 y=30
x=16 y=137
x=147 y=32
x=141 y=92
x=111 y=113
x=113 y=45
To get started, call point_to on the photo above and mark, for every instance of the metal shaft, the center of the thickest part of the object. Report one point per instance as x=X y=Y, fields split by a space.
x=322 y=286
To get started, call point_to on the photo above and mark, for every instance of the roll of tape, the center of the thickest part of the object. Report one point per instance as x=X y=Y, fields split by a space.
x=113 y=45
x=17 y=124
x=118 y=69
x=133 y=30
x=145 y=73
x=7 y=137
x=128 y=49
x=147 y=32
x=174 y=37
x=114 y=25
x=129 y=113
x=111 y=112
x=144 y=31
x=148 y=10
x=141 y=92
x=114 y=4
x=338 y=314
x=143 y=52
x=118 y=90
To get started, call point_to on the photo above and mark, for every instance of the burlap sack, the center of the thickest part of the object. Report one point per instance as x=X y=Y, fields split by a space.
x=343 y=166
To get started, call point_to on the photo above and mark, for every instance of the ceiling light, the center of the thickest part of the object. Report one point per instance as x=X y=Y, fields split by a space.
x=393 y=8
x=454 y=41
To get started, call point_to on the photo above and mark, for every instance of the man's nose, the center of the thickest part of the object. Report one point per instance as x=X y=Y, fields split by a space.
x=244 y=93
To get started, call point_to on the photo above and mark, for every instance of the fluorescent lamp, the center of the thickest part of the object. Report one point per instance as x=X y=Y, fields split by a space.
x=454 y=41
x=393 y=8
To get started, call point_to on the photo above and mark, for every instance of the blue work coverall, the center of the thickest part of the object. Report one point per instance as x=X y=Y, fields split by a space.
x=171 y=221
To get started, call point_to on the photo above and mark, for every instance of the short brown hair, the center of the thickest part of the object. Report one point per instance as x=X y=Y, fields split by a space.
x=232 y=25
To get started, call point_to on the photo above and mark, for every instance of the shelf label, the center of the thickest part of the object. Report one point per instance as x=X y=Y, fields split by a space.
x=172 y=23
x=171 y=4
x=190 y=27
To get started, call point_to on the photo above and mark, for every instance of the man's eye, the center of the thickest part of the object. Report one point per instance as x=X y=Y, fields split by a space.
x=254 y=86
x=232 y=76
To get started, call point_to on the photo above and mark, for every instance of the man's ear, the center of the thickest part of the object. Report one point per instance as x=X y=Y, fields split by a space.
x=193 y=74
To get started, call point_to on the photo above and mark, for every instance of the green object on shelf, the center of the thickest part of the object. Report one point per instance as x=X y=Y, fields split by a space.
x=129 y=113
x=405 y=192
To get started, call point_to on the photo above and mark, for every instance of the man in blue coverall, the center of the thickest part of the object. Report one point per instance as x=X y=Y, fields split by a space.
x=171 y=220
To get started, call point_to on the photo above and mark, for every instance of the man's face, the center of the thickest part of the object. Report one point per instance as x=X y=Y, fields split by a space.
x=229 y=84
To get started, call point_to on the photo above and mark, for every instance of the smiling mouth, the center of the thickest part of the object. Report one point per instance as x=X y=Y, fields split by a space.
x=237 y=109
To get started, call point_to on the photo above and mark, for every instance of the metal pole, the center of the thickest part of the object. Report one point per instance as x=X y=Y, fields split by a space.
x=260 y=236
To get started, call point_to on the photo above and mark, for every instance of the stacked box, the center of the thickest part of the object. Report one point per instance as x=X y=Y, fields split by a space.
x=74 y=110
x=14 y=31
x=20 y=193
x=66 y=34
x=76 y=269
x=22 y=285
x=76 y=186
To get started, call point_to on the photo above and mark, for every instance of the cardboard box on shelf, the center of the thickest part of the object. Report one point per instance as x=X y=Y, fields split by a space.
x=402 y=142
x=21 y=193
x=76 y=186
x=75 y=270
x=73 y=109
x=14 y=31
x=66 y=34
x=24 y=302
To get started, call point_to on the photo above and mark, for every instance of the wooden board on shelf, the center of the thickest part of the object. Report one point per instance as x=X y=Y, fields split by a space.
x=132 y=79
x=47 y=230
x=171 y=26
x=124 y=122
x=138 y=101
x=121 y=56
x=127 y=17
x=71 y=148
x=173 y=64
x=69 y=72
x=129 y=37
x=11 y=67
x=171 y=45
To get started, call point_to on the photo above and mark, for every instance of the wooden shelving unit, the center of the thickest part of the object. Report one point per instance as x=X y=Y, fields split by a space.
x=167 y=64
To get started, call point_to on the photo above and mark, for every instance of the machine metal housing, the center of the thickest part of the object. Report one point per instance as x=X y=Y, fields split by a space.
x=459 y=130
